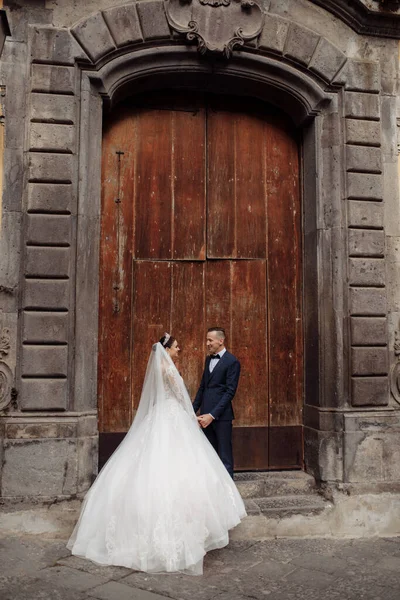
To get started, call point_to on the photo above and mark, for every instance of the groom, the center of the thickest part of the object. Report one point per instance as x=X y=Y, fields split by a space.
x=214 y=398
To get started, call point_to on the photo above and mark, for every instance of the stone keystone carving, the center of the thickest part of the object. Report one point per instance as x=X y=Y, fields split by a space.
x=217 y=25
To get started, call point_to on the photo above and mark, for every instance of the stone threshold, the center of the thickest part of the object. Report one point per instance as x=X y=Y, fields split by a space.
x=279 y=504
x=280 y=493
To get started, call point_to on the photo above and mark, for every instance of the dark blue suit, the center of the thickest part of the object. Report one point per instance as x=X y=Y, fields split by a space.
x=215 y=396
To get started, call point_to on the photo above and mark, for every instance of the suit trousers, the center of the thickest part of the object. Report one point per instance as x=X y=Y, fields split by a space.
x=219 y=434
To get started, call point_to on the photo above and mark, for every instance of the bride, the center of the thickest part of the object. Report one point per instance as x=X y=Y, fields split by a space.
x=164 y=498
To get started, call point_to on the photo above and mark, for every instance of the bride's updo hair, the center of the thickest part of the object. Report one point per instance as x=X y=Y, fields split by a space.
x=166 y=342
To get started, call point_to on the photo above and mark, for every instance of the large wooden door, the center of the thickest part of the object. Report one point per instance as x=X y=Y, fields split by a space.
x=201 y=227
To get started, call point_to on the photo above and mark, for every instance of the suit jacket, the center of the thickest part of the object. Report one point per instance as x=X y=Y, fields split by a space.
x=218 y=388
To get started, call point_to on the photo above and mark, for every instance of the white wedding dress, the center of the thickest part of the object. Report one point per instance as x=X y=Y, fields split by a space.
x=164 y=498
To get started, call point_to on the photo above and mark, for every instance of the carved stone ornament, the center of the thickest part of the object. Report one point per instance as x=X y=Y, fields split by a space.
x=217 y=25
x=5 y=386
x=5 y=371
x=4 y=342
x=390 y=4
x=395 y=372
x=379 y=18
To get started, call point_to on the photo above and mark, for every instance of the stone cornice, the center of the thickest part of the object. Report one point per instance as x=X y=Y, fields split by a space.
x=381 y=22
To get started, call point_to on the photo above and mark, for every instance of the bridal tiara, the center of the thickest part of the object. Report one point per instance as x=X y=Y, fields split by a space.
x=167 y=337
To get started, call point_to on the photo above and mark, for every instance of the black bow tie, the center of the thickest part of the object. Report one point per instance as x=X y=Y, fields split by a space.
x=215 y=356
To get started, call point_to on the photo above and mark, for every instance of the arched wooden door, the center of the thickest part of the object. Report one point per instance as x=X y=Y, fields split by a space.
x=201 y=226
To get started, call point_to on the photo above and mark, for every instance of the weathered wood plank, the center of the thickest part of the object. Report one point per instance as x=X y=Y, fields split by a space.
x=249 y=340
x=151 y=316
x=250 y=448
x=217 y=295
x=187 y=320
x=115 y=307
x=188 y=181
x=284 y=277
x=236 y=300
x=250 y=187
x=153 y=190
x=285 y=447
x=221 y=214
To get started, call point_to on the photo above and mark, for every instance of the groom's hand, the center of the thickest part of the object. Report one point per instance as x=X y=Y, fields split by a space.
x=205 y=420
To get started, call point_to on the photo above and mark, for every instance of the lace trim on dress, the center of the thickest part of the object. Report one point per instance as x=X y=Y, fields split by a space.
x=110 y=536
x=172 y=384
x=165 y=544
x=231 y=495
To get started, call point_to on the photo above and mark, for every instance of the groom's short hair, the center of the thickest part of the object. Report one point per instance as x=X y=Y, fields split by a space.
x=220 y=331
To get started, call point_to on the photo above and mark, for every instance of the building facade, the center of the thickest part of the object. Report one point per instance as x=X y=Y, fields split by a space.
x=330 y=72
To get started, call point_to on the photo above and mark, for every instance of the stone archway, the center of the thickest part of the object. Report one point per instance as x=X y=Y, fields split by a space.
x=77 y=72
x=141 y=70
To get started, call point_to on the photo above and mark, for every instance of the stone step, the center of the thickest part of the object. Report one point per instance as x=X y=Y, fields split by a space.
x=274 y=483
x=285 y=506
x=250 y=475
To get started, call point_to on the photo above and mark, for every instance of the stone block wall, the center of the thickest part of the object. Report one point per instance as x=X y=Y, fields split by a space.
x=47 y=450
x=366 y=238
x=50 y=222
x=48 y=457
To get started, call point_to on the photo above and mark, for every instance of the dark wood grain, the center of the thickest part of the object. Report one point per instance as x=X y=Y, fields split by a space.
x=236 y=182
x=188 y=184
x=236 y=300
x=187 y=320
x=221 y=214
x=115 y=307
x=153 y=190
x=285 y=447
x=250 y=448
x=250 y=192
x=249 y=340
x=151 y=315
x=217 y=296
x=284 y=277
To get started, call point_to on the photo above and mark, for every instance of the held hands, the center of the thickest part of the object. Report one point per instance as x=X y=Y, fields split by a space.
x=204 y=420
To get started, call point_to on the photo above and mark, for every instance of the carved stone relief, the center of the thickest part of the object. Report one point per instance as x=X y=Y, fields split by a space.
x=218 y=26
x=369 y=17
x=395 y=373
x=386 y=4
x=4 y=342
x=5 y=371
x=398 y=135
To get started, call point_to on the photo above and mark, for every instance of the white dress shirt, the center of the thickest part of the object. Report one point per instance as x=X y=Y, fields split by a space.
x=214 y=361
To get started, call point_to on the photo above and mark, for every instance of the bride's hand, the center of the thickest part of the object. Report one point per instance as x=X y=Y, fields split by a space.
x=205 y=420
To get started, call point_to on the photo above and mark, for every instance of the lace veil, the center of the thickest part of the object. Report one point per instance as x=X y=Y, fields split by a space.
x=161 y=372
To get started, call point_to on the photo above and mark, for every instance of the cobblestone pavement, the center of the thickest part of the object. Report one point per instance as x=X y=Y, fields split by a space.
x=34 y=568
